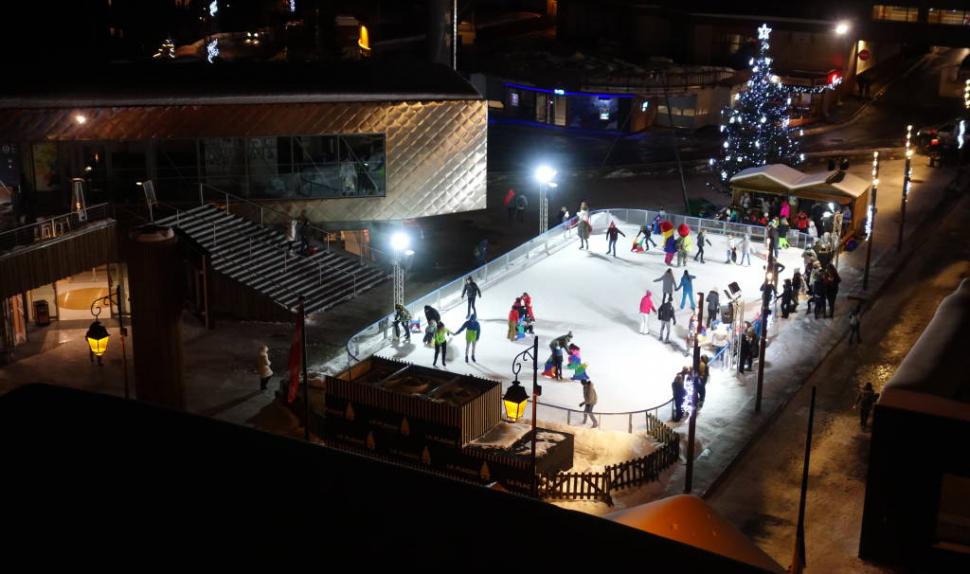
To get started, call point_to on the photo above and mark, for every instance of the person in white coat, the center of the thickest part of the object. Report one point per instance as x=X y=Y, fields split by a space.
x=265 y=372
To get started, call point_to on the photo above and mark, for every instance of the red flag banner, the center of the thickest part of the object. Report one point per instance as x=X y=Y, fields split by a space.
x=296 y=363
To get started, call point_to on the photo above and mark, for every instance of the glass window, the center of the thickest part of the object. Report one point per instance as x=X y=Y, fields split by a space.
x=947 y=17
x=176 y=169
x=224 y=164
x=337 y=166
x=895 y=13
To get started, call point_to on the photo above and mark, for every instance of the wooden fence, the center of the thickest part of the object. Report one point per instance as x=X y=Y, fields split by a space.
x=600 y=485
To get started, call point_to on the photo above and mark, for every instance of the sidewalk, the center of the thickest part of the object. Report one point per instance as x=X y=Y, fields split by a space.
x=797 y=345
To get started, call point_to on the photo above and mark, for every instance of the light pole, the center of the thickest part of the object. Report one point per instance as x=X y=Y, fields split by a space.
x=545 y=176
x=515 y=399
x=97 y=336
x=770 y=272
x=401 y=246
x=907 y=178
x=871 y=217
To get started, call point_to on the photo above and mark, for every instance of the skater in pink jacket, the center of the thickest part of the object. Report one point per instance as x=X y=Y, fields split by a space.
x=646 y=307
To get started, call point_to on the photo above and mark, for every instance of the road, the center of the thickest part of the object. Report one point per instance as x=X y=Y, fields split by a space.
x=760 y=494
x=911 y=99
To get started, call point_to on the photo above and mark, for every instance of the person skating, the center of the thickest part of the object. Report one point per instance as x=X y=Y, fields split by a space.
x=666 y=315
x=612 y=233
x=432 y=317
x=564 y=219
x=263 y=366
x=473 y=331
x=713 y=306
x=854 y=324
x=513 y=321
x=646 y=307
x=683 y=247
x=558 y=346
x=402 y=320
x=647 y=239
x=679 y=392
x=731 y=253
x=745 y=250
x=831 y=280
x=589 y=401
x=787 y=292
x=668 y=285
x=687 y=284
x=701 y=239
x=441 y=344
x=865 y=401
x=527 y=303
x=471 y=291
x=584 y=226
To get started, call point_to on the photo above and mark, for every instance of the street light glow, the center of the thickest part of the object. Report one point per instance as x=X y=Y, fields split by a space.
x=842 y=28
x=545 y=174
x=400 y=241
x=81 y=119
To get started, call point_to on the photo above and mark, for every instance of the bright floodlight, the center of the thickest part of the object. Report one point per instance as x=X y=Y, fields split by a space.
x=545 y=174
x=400 y=241
x=842 y=28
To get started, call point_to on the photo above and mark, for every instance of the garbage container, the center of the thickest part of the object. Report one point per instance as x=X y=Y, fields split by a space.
x=42 y=313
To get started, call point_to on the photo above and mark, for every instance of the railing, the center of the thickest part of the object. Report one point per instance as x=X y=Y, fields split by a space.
x=51 y=228
x=643 y=420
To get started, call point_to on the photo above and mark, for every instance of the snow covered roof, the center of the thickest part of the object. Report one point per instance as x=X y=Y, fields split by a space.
x=688 y=519
x=932 y=378
x=841 y=182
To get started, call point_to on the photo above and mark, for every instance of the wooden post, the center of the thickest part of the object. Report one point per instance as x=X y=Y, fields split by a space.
x=799 y=560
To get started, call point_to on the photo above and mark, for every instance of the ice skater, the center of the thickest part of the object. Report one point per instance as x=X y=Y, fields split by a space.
x=646 y=307
x=558 y=346
x=402 y=319
x=668 y=285
x=687 y=284
x=432 y=316
x=513 y=321
x=472 y=291
x=441 y=344
x=589 y=401
x=666 y=315
x=473 y=331
x=647 y=239
x=713 y=307
x=701 y=239
x=611 y=237
x=582 y=221
x=745 y=250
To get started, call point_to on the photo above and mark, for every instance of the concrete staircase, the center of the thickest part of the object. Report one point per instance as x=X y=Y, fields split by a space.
x=256 y=256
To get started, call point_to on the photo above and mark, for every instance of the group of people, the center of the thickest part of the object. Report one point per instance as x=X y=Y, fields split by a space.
x=521 y=317
x=698 y=383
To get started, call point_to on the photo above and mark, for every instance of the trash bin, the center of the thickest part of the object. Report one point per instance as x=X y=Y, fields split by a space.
x=42 y=313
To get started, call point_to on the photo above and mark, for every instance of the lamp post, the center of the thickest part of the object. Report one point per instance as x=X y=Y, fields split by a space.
x=907 y=178
x=871 y=217
x=545 y=176
x=515 y=399
x=770 y=273
x=401 y=246
x=97 y=335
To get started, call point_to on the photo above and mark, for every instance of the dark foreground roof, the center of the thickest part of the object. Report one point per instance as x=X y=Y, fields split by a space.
x=79 y=466
x=236 y=82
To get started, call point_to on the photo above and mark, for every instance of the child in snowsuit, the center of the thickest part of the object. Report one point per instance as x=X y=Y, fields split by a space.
x=402 y=318
x=589 y=401
x=666 y=315
x=646 y=307
x=527 y=303
x=668 y=285
x=687 y=284
x=441 y=344
x=612 y=233
x=473 y=330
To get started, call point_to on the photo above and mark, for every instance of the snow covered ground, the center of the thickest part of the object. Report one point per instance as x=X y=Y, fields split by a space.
x=597 y=297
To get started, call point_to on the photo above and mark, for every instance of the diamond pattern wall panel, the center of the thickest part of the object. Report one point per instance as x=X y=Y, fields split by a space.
x=436 y=150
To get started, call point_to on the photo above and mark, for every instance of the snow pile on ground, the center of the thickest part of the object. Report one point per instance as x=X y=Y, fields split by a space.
x=595 y=449
x=502 y=435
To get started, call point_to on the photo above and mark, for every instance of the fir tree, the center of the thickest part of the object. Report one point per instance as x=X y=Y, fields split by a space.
x=756 y=128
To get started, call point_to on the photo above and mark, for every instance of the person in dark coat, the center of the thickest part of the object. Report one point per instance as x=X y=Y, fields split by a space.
x=865 y=401
x=818 y=292
x=666 y=315
x=703 y=373
x=558 y=347
x=747 y=352
x=701 y=238
x=831 y=280
x=509 y=202
x=521 y=203
x=612 y=233
x=471 y=291
x=668 y=285
x=679 y=394
x=432 y=316
x=402 y=319
x=787 y=293
x=796 y=287
x=713 y=306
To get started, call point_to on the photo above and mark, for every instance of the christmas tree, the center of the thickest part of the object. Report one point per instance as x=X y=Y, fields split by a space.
x=756 y=128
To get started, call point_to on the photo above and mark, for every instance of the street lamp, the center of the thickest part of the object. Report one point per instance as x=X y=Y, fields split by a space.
x=842 y=28
x=907 y=178
x=545 y=176
x=401 y=246
x=97 y=335
x=515 y=398
x=871 y=217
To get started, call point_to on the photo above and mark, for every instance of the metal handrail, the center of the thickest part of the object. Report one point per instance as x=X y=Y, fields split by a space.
x=28 y=234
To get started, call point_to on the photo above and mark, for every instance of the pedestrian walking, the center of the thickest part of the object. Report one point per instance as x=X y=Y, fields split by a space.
x=796 y=288
x=746 y=357
x=687 y=284
x=831 y=279
x=666 y=315
x=818 y=290
x=473 y=332
x=441 y=344
x=713 y=306
x=509 y=203
x=585 y=228
x=731 y=253
x=701 y=239
x=668 y=285
x=521 y=203
x=646 y=307
x=471 y=291
x=703 y=373
x=679 y=392
x=787 y=292
x=854 y=323
x=402 y=319
x=589 y=401
x=612 y=233
x=745 y=250
x=864 y=402
x=264 y=367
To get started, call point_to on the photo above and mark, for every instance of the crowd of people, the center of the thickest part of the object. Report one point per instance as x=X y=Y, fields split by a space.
x=813 y=218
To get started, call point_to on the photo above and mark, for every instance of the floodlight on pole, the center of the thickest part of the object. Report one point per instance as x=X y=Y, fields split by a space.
x=545 y=175
x=842 y=28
